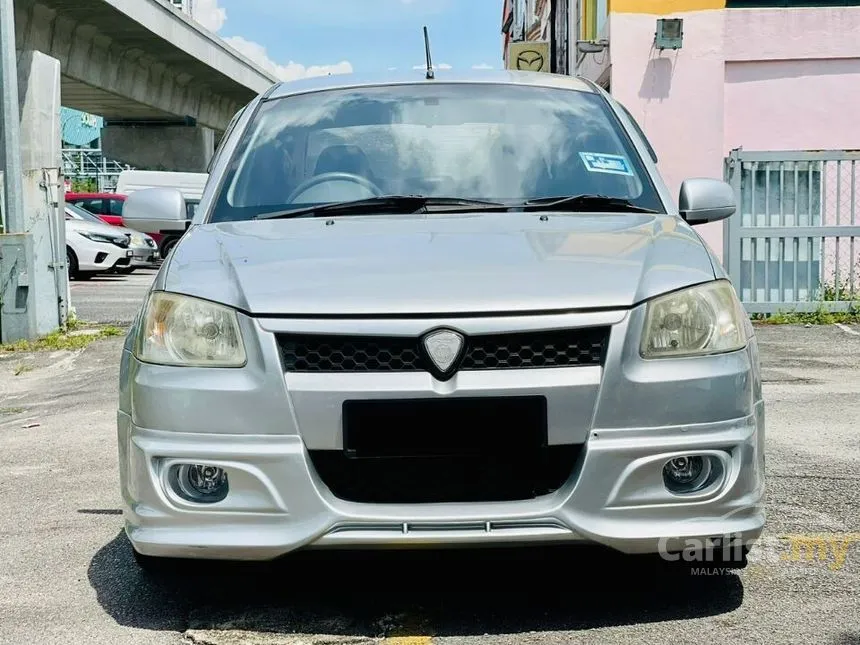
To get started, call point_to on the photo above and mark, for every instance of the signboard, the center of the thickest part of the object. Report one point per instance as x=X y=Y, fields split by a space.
x=90 y=120
x=529 y=56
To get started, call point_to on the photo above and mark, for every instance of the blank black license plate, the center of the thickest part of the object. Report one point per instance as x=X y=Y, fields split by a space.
x=444 y=427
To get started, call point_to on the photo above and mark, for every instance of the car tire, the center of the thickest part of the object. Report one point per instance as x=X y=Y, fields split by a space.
x=72 y=263
x=167 y=245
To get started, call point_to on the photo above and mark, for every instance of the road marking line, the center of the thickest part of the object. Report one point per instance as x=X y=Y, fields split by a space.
x=409 y=640
x=847 y=329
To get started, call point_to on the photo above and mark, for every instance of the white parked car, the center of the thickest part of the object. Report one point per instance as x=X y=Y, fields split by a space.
x=144 y=250
x=93 y=248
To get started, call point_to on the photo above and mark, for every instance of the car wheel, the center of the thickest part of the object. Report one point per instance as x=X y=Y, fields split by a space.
x=72 y=263
x=167 y=246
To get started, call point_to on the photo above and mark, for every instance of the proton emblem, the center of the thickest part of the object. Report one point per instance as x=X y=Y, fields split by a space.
x=444 y=347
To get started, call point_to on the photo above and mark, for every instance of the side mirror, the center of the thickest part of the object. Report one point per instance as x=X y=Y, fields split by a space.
x=155 y=210
x=706 y=200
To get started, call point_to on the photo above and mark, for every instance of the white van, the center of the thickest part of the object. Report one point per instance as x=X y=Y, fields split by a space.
x=190 y=184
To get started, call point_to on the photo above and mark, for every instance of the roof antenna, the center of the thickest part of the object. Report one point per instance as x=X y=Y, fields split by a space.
x=430 y=74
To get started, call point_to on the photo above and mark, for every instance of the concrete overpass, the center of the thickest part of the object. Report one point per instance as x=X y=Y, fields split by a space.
x=166 y=88
x=165 y=85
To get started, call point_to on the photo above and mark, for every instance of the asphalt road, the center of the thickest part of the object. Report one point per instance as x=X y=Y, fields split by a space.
x=110 y=298
x=67 y=574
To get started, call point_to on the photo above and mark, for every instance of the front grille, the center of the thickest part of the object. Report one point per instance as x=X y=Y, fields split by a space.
x=417 y=451
x=521 y=350
x=446 y=479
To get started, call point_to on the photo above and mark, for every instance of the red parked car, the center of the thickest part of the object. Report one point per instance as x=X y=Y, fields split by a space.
x=107 y=206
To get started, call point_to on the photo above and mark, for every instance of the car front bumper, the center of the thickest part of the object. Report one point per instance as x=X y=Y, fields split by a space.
x=99 y=257
x=144 y=257
x=259 y=425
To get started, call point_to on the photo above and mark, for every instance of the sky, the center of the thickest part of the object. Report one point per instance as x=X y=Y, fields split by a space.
x=297 y=38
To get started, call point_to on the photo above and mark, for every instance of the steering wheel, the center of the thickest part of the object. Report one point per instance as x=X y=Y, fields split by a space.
x=334 y=176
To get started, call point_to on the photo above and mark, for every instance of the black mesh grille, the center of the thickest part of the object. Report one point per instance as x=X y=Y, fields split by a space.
x=333 y=353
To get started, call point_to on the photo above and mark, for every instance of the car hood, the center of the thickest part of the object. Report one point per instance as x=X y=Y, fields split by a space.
x=83 y=225
x=432 y=264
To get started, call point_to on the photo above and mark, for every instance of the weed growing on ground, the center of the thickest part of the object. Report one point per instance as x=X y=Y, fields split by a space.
x=63 y=340
x=821 y=316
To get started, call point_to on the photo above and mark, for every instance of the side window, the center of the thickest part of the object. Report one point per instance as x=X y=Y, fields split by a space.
x=95 y=206
x=116 y=206
x=641 y=134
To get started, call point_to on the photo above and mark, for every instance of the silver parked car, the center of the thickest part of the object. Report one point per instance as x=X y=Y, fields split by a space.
x=458 y=310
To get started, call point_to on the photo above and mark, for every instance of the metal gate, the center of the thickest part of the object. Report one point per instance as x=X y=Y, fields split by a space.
x=791 y=244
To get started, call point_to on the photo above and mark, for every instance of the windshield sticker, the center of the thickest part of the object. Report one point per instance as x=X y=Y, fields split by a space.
x=600 y=162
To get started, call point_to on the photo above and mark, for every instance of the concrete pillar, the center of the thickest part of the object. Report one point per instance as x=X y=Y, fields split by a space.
x=33 y=275
x=174 y=148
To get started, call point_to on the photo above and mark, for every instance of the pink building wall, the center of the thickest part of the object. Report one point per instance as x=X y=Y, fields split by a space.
x=761 y=79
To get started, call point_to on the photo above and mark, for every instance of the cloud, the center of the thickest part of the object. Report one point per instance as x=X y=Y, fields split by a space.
x=439 y=66
x=482 y=66
x=292 y=70
x=209 y=14
x=212 y=16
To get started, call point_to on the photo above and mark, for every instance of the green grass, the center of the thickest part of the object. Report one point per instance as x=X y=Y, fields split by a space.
x=820 y=316
x=62 y=340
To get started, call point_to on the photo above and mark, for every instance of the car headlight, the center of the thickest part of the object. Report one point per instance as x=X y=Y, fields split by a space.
x=98 y=237
x=190 y=332
x=705 y=319
x=137 y=239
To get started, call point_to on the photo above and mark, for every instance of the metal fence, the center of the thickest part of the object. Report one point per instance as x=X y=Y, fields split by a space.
x=791 y=244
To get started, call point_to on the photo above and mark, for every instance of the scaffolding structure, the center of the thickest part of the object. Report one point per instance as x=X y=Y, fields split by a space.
x=89 y=163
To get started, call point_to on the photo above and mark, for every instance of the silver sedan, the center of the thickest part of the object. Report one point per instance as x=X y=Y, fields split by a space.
x=449 y=311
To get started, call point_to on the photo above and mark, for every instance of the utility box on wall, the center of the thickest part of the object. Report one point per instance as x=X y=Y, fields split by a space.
x=17 y=315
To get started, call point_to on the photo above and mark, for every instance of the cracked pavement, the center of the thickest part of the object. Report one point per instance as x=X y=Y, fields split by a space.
x=68 y=575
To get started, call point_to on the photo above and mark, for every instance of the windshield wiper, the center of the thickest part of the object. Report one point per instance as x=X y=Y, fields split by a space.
x=388 y=204
x=585 y=202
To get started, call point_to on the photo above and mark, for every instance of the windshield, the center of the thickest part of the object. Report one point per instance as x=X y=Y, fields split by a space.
x=503 y=143
x=79 y=213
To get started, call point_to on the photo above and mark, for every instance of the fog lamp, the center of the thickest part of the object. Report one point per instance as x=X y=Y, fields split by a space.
x=200 y=483
x=691 y=473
